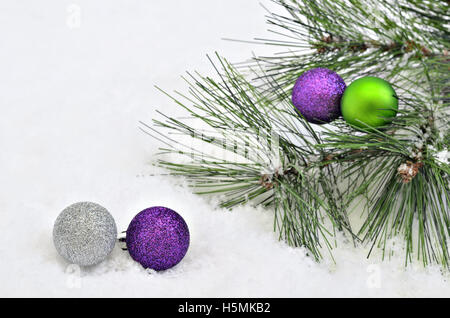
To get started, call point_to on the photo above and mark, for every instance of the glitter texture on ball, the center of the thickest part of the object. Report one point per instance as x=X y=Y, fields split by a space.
x=84 y=233
x=317 y=95
x=157 y=238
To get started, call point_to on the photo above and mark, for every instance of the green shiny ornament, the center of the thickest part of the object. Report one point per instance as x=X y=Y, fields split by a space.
x=369 y=102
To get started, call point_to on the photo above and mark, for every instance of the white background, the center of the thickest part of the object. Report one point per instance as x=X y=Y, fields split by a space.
x=71 y=97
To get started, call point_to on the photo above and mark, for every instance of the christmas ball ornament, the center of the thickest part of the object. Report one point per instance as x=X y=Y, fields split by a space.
x=369 y=102
x=317 y=95
x=157 y=238
x=84 y=233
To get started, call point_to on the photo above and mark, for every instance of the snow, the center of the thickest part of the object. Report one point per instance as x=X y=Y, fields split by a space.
x=72 y=93
x=443 y=157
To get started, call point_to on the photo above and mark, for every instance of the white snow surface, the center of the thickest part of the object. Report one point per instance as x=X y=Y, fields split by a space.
x=71 y=98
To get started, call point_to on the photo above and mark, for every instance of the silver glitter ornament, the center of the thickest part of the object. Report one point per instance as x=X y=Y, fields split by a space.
x=84 y=233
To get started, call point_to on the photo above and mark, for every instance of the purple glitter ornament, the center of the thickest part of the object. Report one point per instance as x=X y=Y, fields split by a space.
x=157 y=238
x=317 y=95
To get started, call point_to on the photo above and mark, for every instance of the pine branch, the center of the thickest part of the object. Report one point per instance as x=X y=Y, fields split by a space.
x=271 y=156
x=354 y=38
x=405 y=181
x=245 y=142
